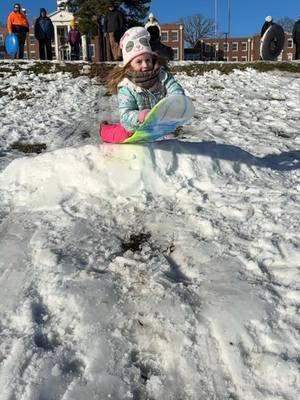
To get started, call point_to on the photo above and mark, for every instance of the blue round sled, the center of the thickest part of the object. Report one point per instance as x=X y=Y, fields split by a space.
x=11 y=44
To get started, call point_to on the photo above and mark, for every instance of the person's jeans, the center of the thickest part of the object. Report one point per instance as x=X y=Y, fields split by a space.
x=21 y=32
x=114 y=46
x=22 y=38
x=45 y=49
x=75 y=52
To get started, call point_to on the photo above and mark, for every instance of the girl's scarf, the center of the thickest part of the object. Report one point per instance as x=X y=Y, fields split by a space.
x=145 y=80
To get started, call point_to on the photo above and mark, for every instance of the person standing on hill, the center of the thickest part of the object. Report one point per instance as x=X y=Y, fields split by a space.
x=114 y=28
x=44 y=33
x=18 y=23
x=152 y=21
x=268 y=22
x=75 y=41
x=296 y=38
x=159 y=48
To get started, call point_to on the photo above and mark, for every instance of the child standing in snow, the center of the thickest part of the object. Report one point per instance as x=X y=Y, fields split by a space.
x=140 y=83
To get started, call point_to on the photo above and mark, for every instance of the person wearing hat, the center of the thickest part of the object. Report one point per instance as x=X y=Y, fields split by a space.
x=74 y=40
x=156 y=45
x=114 y=28
x=44 y=33
x=18 y=23
x=142 y=81
x=296 y=38
x=268 y=22
x=152 y=21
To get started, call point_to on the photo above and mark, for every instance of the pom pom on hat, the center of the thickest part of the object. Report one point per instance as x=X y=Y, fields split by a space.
x=269 y=18
x=135 y=42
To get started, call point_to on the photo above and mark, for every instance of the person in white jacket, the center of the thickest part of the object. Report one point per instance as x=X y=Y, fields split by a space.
x=152 y=21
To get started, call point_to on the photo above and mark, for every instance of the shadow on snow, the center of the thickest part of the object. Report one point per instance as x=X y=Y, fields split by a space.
x=285 y=161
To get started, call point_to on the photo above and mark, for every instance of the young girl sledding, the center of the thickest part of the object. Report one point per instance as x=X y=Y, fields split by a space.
x=141 y=83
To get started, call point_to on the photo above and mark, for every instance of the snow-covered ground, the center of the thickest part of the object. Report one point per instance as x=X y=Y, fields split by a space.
x=162 y=271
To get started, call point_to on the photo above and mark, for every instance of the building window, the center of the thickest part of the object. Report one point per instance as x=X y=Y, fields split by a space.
x=174 y=36
x=243 y=59
x=53 y=53
x=61 y=31
x=290 y=44
x=290 y=56
x=225 y=46
x=164 y=36
x=1 y=40
x=235 y=46
x=234 y=59
x=216 y=46
x=91 y=50
x=244 y=46
x=226 y=59
x=31 y=39
x=176 y=53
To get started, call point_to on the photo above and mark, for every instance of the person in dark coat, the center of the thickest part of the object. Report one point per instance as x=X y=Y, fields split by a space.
x=44 y=33
x=152 y=21
x=161 y=49
x=114 y=28
x=268 y=22
x=296 y=38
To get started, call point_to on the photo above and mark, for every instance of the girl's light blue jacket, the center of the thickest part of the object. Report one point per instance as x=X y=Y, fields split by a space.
x=132 y=99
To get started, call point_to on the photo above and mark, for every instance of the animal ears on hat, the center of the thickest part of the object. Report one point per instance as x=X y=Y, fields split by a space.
x=134 y=34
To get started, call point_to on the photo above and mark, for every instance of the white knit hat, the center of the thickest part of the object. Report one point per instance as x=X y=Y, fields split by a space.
x=269 y=18
x=135 y=42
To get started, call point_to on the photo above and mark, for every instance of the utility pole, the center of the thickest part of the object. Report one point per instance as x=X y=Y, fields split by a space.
x=229 y=17
x=216 y=24
x=216 y=17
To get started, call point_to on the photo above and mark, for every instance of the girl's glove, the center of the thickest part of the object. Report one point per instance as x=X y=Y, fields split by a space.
x=143 y=114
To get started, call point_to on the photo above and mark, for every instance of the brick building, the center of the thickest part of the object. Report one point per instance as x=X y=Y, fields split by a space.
x=172 y=35
x=240 y=49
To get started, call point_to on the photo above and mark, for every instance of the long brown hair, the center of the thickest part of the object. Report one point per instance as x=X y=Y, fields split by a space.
x=119 y=73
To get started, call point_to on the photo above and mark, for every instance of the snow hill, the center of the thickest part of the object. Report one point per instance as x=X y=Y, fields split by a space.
x=158 y=271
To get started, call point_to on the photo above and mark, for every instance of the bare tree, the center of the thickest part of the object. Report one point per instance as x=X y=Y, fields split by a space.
x=287 y=23
x=197 y=27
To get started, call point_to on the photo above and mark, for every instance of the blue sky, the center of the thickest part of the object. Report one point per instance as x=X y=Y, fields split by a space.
x=247 y=16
